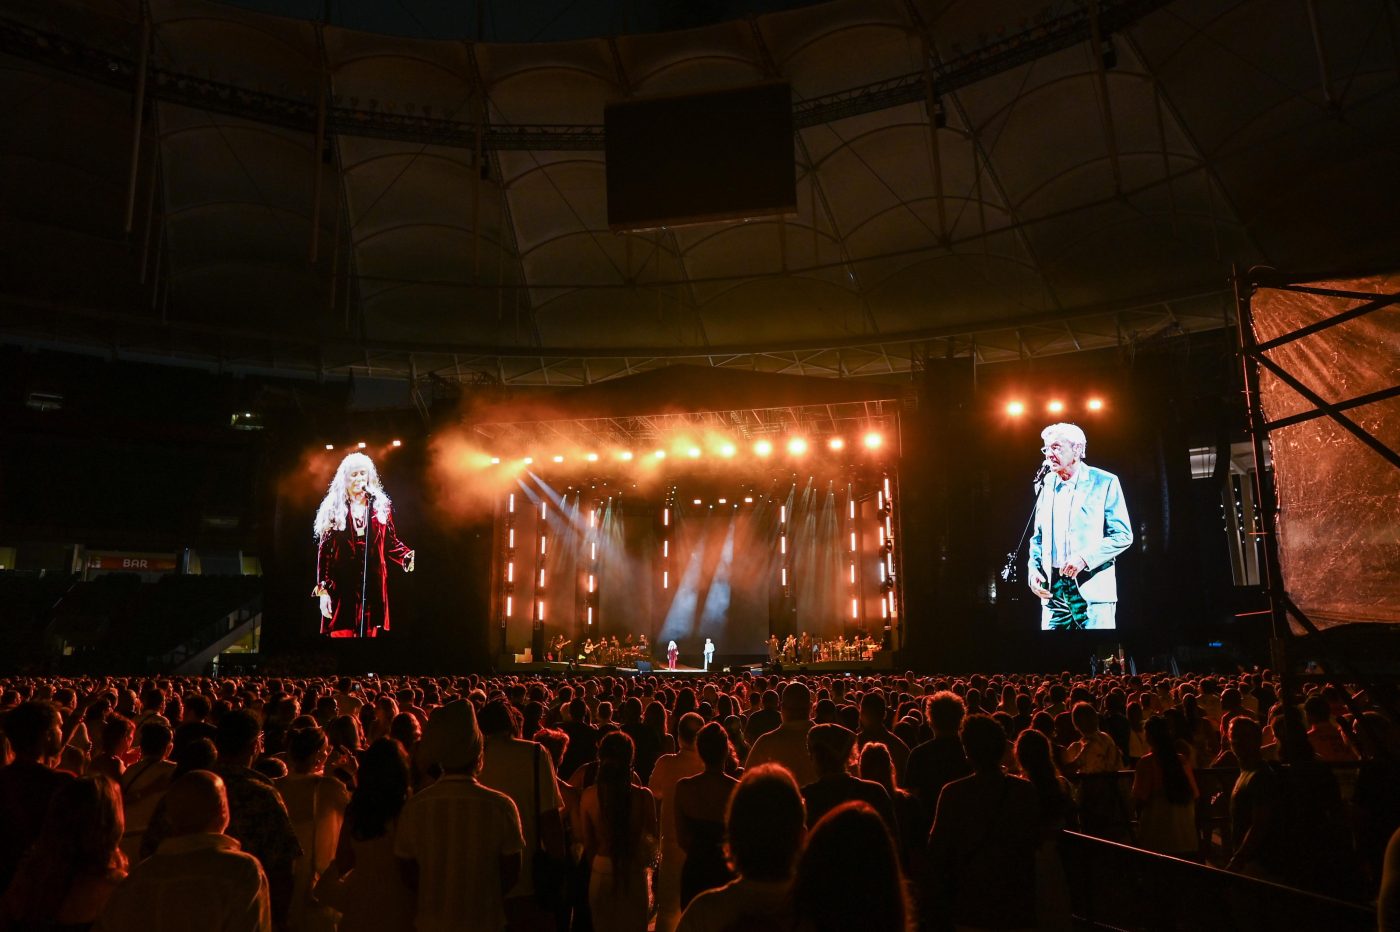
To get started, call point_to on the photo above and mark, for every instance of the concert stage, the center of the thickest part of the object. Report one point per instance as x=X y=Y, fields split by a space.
x=646 y=520
x=883 y=662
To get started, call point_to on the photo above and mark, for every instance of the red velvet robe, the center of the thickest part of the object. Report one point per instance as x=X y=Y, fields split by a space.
x=340 y=570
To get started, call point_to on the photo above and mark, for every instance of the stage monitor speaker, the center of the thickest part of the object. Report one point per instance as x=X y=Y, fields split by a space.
x=643 y=666
x=722 y=155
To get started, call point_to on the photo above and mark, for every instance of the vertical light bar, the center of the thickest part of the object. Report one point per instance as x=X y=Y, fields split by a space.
x=511 y=507
x=882 y=535
x=785 y=576
x=853 y=509
x=544 y=510
x=593 y=517
x=665 y=548
x=590 y=614
x=853 y=574
x=510 y=572
x=543 y=541
x=590 y=582
x=510 y=542
x=665 y=579
x=508 y=606
x=594 y=555
x=880 y=501
x=540 y=605
x=853 y=542
x=666 y=517
x=782 y=544
x=884 y=609
x=855 y=608
x=541 y=577
x=782 y=514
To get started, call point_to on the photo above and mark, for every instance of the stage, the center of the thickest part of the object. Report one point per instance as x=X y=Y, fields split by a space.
x=883 y=662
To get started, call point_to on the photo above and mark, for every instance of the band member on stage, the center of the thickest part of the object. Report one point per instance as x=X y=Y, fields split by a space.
x=643 y=647
x=773 y=648
x=673 y=653
x=355 y=541
x=709 y=653
x=1081 y=526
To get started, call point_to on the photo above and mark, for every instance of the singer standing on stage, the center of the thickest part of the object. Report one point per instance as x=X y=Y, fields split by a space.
x=1081 y=526
x=355 y=541
x=709 y=653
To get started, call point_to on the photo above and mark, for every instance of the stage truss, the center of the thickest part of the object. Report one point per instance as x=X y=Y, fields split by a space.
x=849 y=420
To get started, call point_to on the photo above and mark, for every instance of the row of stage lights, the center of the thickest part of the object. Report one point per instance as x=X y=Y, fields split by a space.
x=796 y=446
x=1017 y=407
x=362 y=445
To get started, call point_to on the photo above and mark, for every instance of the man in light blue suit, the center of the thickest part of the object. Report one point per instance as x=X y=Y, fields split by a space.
x=1081 y=526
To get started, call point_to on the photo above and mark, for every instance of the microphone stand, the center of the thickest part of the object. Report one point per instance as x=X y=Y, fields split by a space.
x=1008 y=570
x=364 y=573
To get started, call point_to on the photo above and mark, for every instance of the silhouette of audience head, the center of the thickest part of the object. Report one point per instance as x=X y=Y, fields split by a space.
x=984 y=742
x=766 y=823
x=196 y=803
x=849 y=877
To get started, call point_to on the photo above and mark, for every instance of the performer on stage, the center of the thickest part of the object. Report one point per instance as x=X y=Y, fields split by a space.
x=672 y=654
x=1081 y=526
x=355 y=541
x=709 y=653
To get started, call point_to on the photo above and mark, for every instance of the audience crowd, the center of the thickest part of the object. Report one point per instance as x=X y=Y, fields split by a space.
x=716 y=802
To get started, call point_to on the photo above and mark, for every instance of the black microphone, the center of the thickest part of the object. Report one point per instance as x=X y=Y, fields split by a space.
x=1038 y=482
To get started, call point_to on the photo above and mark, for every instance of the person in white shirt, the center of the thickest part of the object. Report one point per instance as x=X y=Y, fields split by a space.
x=787 y=744
x=459 y=842
x=524 y=771
x=198 y=879
x=709 y=653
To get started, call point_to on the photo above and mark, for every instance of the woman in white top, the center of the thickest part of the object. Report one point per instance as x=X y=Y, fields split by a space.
x=316 y=804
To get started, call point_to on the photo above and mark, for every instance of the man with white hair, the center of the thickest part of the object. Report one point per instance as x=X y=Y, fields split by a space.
x=1081 y=526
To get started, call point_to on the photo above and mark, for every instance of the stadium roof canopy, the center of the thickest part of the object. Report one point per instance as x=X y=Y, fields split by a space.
x=986 y=177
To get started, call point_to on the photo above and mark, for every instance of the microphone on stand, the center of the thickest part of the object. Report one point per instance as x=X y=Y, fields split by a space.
x=1039 y=481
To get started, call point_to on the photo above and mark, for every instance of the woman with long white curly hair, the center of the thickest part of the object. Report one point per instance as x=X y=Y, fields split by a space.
x=355 y=541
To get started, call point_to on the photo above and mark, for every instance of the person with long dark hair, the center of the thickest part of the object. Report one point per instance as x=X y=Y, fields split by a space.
x=1164 y=789
x=1036 y=759
x=364 y=881
x=74 y=865
x=619 y=835
x=701 y=801
x=849 y=876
